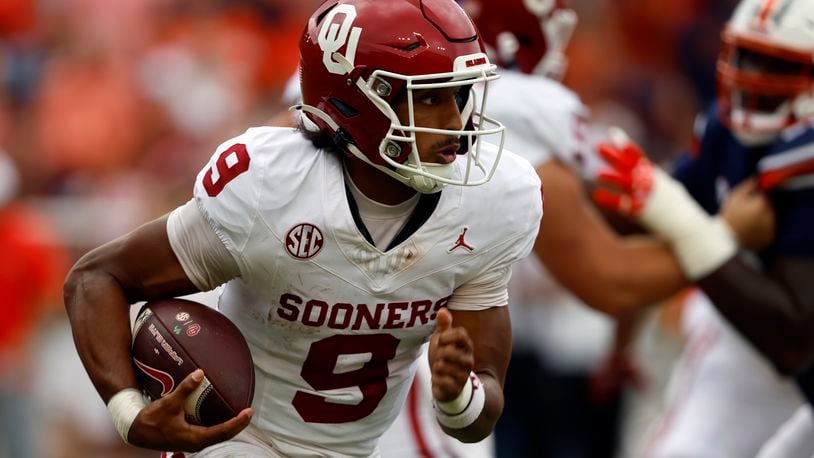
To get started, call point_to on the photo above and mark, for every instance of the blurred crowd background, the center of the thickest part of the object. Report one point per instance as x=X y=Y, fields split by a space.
x=108 y=109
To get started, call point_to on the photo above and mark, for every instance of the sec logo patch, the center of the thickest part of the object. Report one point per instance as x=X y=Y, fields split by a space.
x=304 y=241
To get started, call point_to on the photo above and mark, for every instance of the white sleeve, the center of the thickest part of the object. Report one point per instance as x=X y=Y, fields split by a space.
x=201 y=253
x=487 y=290
x=545 y=127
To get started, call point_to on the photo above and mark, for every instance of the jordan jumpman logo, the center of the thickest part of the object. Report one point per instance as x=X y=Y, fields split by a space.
x=461 y=243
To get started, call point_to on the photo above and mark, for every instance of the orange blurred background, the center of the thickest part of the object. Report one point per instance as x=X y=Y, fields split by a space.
x=108 y=109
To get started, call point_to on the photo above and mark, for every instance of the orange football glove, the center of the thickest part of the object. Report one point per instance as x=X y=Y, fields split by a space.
x=636 y=187
x=624 y=187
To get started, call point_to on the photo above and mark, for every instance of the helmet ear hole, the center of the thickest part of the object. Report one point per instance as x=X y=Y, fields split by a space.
x=346 y=110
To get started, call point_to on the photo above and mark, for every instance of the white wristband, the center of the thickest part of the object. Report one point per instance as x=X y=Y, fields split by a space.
x=466 y=408
x=124 y=406
x=704 y=251
x=701 y=243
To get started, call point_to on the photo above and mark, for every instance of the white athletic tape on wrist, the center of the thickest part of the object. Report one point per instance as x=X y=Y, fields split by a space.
x=123 y=407
x=708 y=249
x=459 y=404
x=466 y=408
x=701 y=243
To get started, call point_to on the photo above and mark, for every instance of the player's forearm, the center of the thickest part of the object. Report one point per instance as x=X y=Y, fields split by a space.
x=99 y=315
x=627 y=274
x=763 y=309
x=485 y=423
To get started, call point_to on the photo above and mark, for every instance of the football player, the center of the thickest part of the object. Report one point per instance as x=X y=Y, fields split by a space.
x=551 y=129
x=415 y=431
x=759 y=133
x=548 y=124
x=382 y=223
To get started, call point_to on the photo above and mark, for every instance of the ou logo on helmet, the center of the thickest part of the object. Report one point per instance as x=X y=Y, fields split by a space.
x=332 y=36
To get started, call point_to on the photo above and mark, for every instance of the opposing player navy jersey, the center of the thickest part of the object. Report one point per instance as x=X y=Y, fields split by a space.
x=785 y=168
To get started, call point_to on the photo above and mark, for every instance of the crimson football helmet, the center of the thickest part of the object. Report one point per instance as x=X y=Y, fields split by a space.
x=766 y=68
x=358 y=56
x=530 y=35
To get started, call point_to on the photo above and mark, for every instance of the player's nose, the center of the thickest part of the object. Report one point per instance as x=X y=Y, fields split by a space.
x=451 y=115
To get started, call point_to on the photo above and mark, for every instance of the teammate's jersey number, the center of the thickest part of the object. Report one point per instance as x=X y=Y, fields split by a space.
x=231 y=163
x=371 y=378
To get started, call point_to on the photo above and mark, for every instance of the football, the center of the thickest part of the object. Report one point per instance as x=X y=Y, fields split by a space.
x=173 y=337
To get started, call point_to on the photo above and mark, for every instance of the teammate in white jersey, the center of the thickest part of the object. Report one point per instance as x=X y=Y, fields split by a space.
x=579 y=258
x=383 y=223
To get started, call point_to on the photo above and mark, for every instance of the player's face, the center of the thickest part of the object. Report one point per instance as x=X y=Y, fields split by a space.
x=438 y=109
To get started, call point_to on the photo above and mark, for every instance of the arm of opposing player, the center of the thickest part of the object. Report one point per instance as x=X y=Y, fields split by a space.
x=774 y=311
x=611 y=273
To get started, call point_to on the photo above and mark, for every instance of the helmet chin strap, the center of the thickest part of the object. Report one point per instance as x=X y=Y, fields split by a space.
x=420 y=183
x=425 y=184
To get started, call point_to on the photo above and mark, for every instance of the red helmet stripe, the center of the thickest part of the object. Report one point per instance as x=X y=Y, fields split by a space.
x=765 y=11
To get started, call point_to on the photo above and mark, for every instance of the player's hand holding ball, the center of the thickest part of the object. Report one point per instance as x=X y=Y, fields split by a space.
x=162 y=424
x=197 y=368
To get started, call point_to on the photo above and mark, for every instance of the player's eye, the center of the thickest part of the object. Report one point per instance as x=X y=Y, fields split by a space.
x=430 y=98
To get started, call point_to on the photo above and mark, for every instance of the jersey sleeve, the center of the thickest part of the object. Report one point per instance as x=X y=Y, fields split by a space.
x=548 y=126
x=227 y=192
x=560 y=126
x=521 y=211
x=490 y=289
x=202 y=255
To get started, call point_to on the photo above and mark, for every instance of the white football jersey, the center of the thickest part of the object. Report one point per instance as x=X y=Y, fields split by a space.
x=334 y=324
x=546 y=121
